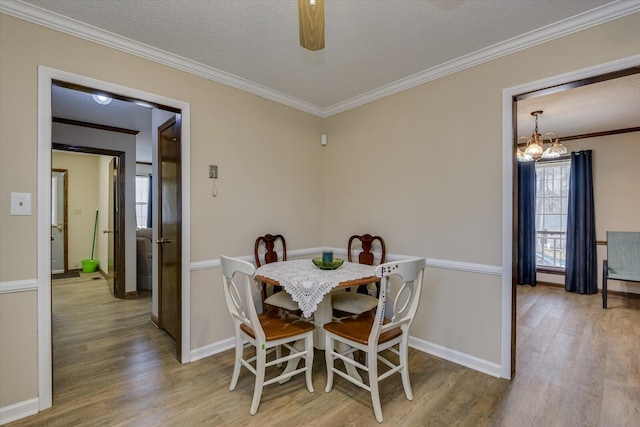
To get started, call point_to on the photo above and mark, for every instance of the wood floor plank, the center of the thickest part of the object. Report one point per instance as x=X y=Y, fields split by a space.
x=577 y=365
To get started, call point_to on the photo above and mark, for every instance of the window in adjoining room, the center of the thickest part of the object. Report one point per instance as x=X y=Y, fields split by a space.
x=142 y=200
x=552 y=188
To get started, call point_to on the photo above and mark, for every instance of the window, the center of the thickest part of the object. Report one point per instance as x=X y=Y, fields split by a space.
x=142 y=200
x=552 y=186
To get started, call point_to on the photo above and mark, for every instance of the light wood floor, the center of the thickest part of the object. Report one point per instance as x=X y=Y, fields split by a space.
x=578 y=365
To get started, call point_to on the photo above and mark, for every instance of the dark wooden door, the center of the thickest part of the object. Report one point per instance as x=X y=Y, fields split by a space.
x=59 y=229
x=169 y=237
x=115 y=231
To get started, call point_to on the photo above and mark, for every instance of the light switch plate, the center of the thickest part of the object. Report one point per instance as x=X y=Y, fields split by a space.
x=20 y=203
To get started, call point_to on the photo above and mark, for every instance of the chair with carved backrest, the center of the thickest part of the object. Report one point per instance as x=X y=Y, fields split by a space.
x=266 y=247
x=356 y=303
x=375 y=333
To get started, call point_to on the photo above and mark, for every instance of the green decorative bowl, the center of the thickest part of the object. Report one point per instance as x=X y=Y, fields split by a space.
x=336 y=263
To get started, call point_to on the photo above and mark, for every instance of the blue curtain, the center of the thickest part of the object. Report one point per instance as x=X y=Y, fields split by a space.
x=149 y=204
x=526 y=250
x=581 y=266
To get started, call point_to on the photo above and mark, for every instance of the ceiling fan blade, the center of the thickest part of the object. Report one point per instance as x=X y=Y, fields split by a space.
x=311 y=19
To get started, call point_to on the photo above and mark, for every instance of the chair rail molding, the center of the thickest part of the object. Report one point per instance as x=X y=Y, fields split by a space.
x=18 y=286
x=431 y=262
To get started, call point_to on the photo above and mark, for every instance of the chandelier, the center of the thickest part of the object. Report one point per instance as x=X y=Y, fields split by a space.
x=534 y=150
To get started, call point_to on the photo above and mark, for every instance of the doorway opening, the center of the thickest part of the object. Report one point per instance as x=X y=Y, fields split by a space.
x=48 y=79
x=59 y=222
x=554 y=85
x=95 y=178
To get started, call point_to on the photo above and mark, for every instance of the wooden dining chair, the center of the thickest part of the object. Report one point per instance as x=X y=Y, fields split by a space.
x=374 y=333
x=359 y=302
x=265 y=252
x=265 y=331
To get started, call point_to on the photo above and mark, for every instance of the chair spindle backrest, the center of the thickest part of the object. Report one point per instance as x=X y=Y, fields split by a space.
x=237 y=277
x=269 y=241
x=405 y=302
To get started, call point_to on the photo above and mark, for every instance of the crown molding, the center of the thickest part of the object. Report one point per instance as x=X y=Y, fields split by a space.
x=84 y=31
x=37 y=15
x=597 y=16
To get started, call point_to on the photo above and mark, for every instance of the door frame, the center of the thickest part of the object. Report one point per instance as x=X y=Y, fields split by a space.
x=65 y=215
x=508 y=336
x=119 y=246
x=46 y=76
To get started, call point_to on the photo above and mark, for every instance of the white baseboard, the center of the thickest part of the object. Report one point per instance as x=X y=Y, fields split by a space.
x=454 y=356
x=211 y=349
x=458 y=357
x=19 y=410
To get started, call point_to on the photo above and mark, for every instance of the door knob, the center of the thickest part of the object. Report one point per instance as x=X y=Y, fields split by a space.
x=59 y=225
x=163 y=240
x=107 y=231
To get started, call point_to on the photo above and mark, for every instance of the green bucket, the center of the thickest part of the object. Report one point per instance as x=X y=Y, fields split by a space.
x=89 y=265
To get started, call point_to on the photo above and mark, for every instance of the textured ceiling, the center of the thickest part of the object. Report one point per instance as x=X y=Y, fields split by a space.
x=372 y=46
x=369 y=43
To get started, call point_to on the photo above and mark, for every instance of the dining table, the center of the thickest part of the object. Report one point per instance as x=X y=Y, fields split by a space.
x=311 y=287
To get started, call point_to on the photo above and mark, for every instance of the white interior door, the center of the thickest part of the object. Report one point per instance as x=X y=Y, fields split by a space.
x=57 y=222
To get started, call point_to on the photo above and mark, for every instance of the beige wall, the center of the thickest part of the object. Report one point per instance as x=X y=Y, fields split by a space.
x=269 y=157
x=18 y=340
x=616 y=191
x=82 y=181
x=423 y=168
x=426 y=195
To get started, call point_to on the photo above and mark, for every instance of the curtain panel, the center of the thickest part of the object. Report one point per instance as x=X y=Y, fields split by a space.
x=581 y=273
x=526 y=246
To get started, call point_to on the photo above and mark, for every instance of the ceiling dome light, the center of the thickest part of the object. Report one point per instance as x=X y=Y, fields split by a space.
x=101 y=99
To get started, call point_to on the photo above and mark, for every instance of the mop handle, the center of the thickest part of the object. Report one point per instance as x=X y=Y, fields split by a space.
x=93 y=242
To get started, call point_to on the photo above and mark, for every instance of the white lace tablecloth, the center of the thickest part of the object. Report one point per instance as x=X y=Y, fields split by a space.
x=307 y=284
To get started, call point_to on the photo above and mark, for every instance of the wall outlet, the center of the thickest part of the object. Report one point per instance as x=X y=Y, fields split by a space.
x=20 y=203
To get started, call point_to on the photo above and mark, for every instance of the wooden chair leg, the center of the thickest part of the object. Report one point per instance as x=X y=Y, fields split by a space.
x=373 y=384
x=308 y=363
x=328 y=356
x=404 y=372
x=261 y=361
x=605 y=267
x=236 y=364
